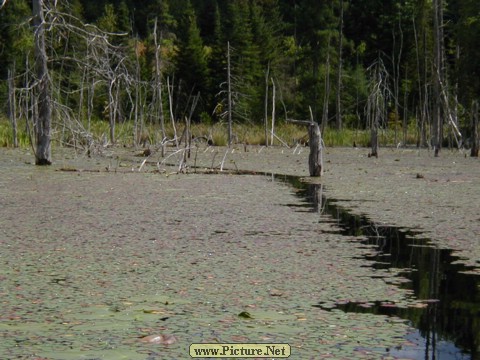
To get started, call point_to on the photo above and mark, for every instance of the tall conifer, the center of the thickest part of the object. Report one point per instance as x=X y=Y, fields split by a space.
x=192 y=66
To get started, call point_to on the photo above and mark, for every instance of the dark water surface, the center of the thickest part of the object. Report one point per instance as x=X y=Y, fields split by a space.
x=448 y=327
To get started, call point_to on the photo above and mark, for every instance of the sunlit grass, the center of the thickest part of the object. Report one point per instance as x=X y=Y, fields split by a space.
x=217 y=133
x=6 y=134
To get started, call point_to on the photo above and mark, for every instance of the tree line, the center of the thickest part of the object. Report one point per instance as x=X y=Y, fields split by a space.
x=403 y=64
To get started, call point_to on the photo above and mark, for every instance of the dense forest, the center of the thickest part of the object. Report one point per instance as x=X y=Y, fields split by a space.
x=399 y=64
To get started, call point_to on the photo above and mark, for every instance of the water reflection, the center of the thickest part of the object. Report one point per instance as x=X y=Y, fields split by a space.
x=449 y=325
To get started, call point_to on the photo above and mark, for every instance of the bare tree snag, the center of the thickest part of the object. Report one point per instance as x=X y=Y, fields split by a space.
x=158 y=82
x=229 y=82
x=327 y=89
x=338 y=115
x=378 y=98
x=267 y=74
x=111 y=109
x=315 y=159
x=12 y=110
x=475 y=138
x=374 y=139
x=438 y=76
x=172 y=116
x=44 y=113
x=273 y=112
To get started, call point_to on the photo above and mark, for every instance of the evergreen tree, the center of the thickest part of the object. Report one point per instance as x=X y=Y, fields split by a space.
x=468 y=40
x=124 y=24
x=267 y=31
x=16 y=39
x=245 y=59
x=146 y=14
x=192 y=68
x=316 y=31
x=16 y=44
x=108 y=22
x=297 y=40
x=217 y=63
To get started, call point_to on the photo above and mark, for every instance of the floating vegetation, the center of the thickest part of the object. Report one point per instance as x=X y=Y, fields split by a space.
x=446 y=305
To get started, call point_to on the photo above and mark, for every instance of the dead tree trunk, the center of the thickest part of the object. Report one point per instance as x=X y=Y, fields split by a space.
x=12 y=108
x=475 y=137
x=378 y=97
x=267 y=74
x=111 y=109
x=374 y=137
x=273 y=112
x=44 y=113
x=158 y=84
x=438 y=76
x=136 y=131
x=315 y=159
x=172 y=115
x=229 y=82
x=327 y=89
x=339 y=72
x=188 y=132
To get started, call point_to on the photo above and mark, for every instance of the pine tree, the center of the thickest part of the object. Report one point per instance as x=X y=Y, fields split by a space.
x=468 y=40
x=123 y=18
x=266 y=30
x=192 y=68
x=217 y=64
x=108 y=22
x=316 y=31
x=16 y=39
x=245 y=59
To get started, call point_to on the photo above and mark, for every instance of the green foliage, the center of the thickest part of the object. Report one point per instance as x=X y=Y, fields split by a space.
x=108 y=21
x=298 y=42
x=192 y=66
x=468 y=35
x=245 y=59
x=6 y=134
x=16 y=40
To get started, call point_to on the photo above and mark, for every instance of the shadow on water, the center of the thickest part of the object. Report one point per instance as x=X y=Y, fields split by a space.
x=448 y=327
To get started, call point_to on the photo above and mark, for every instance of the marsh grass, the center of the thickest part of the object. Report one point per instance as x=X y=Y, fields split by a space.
x=6 y=134
x=252 y=134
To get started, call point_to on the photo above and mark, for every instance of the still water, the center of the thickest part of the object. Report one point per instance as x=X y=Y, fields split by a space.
x=449 y=327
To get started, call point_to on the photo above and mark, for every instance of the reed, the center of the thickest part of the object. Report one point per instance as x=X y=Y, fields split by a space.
x=6 y=134
x=252 y=134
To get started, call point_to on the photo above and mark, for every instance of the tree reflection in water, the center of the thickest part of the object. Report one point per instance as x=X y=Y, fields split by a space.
x=449 y=325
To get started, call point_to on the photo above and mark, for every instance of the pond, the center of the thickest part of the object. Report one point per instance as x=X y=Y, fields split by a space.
x=93 y=263
x=448 y=325
x=97 y=265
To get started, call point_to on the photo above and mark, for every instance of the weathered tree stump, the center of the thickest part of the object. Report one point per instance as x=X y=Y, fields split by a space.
x=315 y=159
